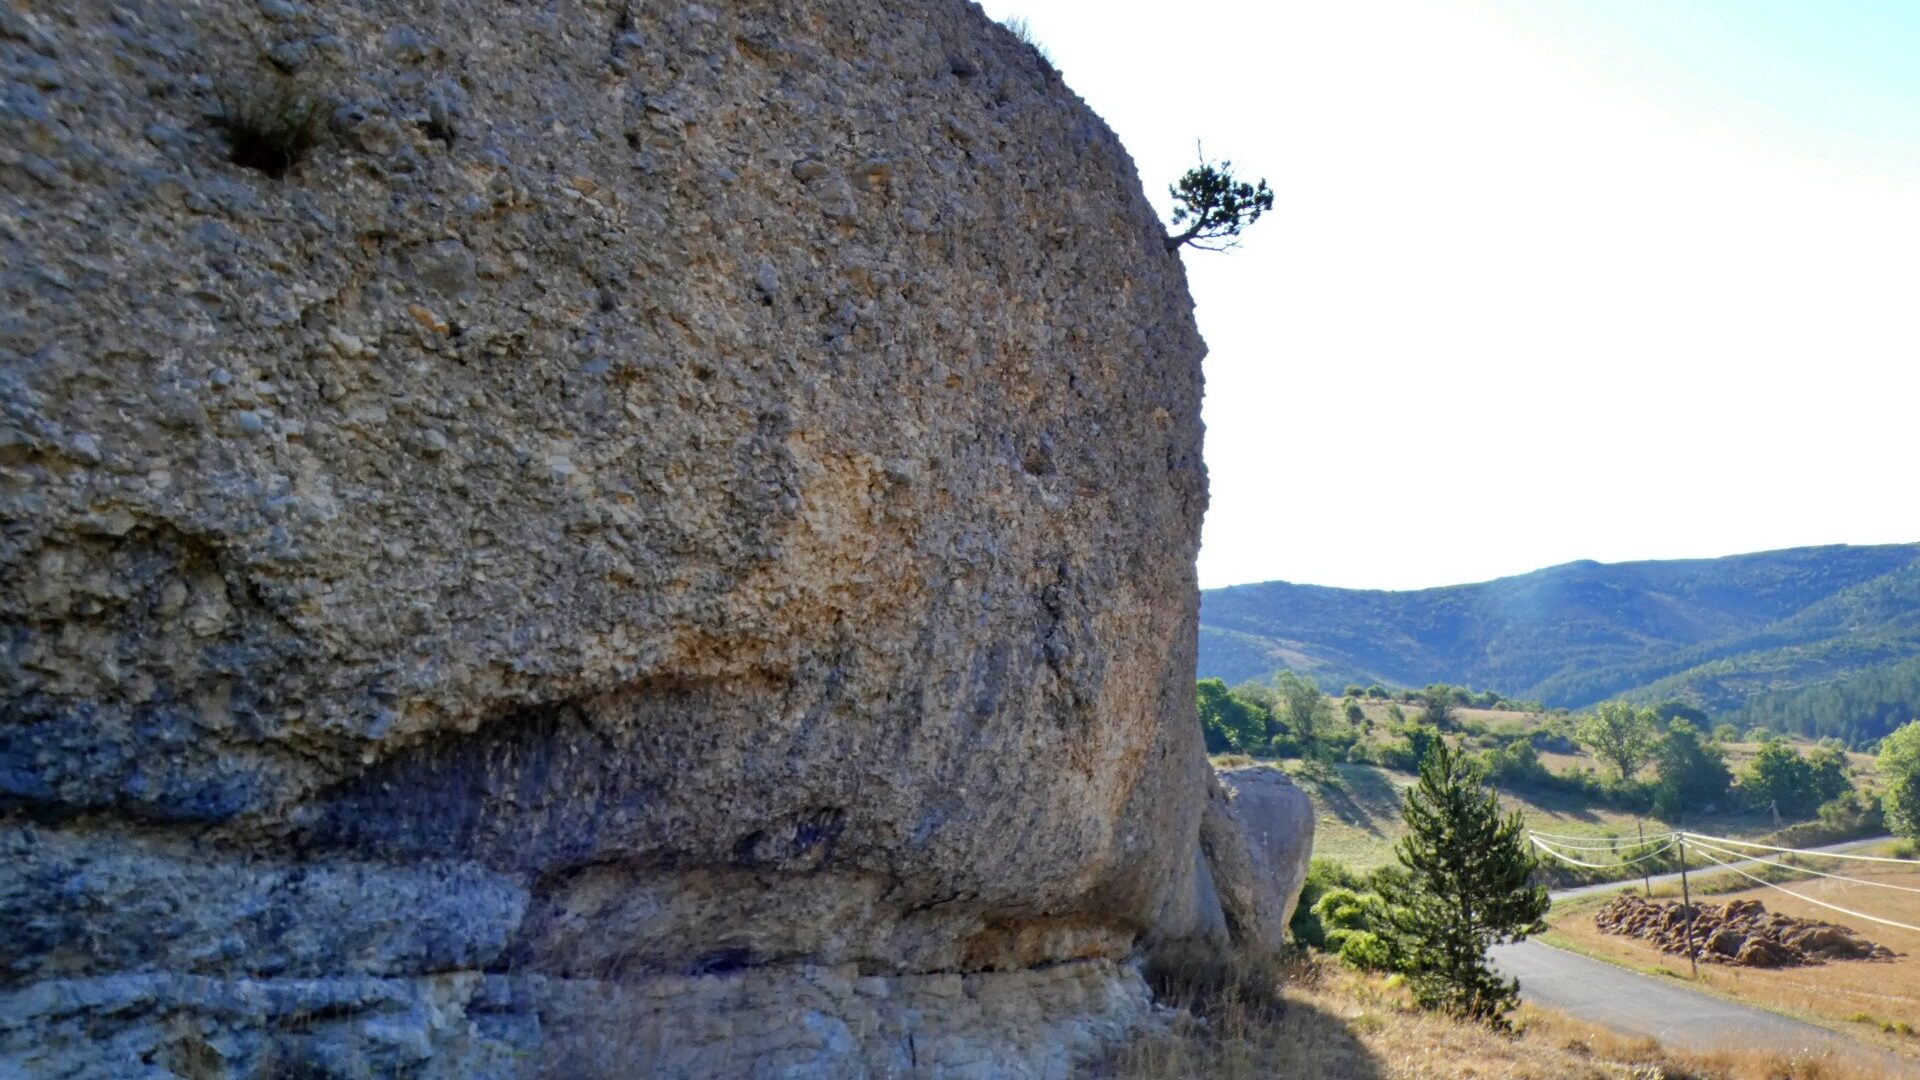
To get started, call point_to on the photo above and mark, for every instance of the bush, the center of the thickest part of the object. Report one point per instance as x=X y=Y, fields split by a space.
x=1209 y=981
x=1323 y=876
x=1353 y=924
x=272 y=126
x=1796 y=786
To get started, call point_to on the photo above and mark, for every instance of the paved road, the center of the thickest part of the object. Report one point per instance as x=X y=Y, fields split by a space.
x=1670 y=1011
x=1637 y=1004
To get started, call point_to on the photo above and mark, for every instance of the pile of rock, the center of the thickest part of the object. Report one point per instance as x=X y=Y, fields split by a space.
x=1741 y=933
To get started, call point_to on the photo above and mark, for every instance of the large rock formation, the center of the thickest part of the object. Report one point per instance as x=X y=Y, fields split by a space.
x=663 y=547
x=1257 y=838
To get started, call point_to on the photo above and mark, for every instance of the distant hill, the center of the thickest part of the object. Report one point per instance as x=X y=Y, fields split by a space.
x=1721 y=633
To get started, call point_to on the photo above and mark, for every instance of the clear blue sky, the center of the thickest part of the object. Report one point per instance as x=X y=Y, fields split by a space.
x=1545 y=280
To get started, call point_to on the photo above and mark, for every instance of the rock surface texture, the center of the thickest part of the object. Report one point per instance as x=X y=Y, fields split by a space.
x=664 y=546
x=1257 y=837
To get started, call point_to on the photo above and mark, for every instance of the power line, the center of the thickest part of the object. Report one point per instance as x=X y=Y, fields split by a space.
x=1802 y=851
x=1809 y=899
x=1565 y=858
x=1615 y=845
x=1562 y=836
x=1741 y=857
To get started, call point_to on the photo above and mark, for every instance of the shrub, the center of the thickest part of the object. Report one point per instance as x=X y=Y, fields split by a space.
x=272 y=126
x=1354 y=923
x=1323 y=876
x=1516 y=765
x=1209 y=981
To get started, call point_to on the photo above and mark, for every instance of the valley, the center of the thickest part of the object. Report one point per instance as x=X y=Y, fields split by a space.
x=1824 y=639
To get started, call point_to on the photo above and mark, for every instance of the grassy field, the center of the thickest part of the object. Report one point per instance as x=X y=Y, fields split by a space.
x=1359 y=814
x=1359 y=805
x=1879 y=1001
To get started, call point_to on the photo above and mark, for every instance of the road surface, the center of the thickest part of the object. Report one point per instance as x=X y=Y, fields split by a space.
x=1662 y=1008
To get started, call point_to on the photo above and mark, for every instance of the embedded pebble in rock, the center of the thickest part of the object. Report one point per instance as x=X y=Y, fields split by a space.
x=663 y=546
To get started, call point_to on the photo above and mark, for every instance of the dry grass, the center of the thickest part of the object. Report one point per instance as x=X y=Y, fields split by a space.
x=1359 y=813
x=1333 y=1023
x=1875 y=1001
x=1646 y=1058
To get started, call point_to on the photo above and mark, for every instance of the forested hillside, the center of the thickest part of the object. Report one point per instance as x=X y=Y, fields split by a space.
x=1738 y=633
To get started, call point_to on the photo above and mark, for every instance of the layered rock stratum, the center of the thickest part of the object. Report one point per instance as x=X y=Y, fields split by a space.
x=664 y=546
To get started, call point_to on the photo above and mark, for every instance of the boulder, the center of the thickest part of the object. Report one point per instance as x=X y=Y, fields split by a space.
x=1257 y=834
x=662 y=546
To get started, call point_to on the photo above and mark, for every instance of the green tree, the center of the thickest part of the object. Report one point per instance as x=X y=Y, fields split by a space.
x=1437 y=700
x=1668 y=711
x=1304 y=710
x=1692 y=773
x=1724 y=732
x=1231 y=724
x=1376 y=692
x=1830 y=772
x=1900 y=772
x=1779 y=777
x=1215 y=206
x=1466 y=889
x=1619 y=733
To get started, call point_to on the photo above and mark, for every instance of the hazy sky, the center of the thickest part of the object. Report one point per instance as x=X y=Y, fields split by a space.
x=1544 y=280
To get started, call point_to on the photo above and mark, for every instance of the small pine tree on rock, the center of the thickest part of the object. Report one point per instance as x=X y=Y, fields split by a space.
x=1214 y=206
x=1465 y=890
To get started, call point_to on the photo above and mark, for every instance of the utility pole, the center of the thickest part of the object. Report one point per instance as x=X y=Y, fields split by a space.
x=1686 y=897
x=1646 y=876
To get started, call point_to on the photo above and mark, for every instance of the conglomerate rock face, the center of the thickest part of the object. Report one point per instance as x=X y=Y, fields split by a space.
x=663 y=546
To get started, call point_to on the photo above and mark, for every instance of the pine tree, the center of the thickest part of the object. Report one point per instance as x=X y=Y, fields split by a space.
x=1465 y=890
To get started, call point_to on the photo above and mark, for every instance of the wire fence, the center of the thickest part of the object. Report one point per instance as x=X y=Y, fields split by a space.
x=1727 y=854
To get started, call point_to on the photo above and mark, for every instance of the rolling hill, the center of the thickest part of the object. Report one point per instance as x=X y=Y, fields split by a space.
x=1722 y=633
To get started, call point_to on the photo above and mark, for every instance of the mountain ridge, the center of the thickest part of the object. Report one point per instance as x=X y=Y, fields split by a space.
x=1714 y=631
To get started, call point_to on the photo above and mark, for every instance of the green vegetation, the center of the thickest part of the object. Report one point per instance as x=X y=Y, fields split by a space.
x=1621 y=734
x=1900 y=771
x=1817 y=641
x=1232 y=723
x=1304 y=711
x=1855 y=709
x=1693 y=774
x=1215 y=206
x=1791 y=785
x=272 y=125
x=1466 y=889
